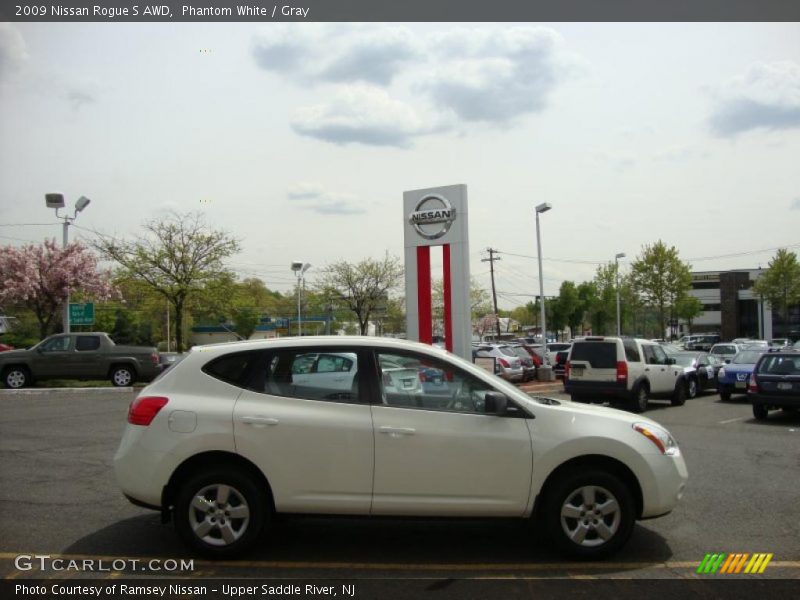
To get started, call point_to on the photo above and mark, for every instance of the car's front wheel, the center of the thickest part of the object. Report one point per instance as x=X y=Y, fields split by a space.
x=15 y=378
x=589 y=514
x=220 y=513
x=679 y=395
x=691 y=388
x=640 y=399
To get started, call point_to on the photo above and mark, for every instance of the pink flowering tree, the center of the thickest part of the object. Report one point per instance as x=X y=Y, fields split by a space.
x=41 y=276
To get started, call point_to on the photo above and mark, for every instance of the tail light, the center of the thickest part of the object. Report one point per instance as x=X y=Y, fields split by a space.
x=422 y=377
x=622 y=371
x=155 y=358
x=504 y=363
x=566 y=370
x=144 y=409
x=752 y=384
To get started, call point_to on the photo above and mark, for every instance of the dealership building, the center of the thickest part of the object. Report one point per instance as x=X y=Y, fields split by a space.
x=732 y=309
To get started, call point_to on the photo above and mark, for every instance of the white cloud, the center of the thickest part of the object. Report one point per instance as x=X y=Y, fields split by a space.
x=361 y=114
x=314 y=197
x=78 y=98
x=795 y=204
x=494 y=76
x=12 y=50
x=767 y=96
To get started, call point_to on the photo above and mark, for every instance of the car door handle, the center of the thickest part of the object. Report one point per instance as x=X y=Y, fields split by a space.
x=259 y=421
x=397 y=430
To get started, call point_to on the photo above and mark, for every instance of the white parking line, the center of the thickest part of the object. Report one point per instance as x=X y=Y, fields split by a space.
x=731 y=420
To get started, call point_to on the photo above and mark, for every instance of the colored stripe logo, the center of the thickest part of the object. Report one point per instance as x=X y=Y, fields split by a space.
x=734 y=564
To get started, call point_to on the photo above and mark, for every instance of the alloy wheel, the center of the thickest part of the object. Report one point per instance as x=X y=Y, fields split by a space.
x=219 y=515
x=590 y=516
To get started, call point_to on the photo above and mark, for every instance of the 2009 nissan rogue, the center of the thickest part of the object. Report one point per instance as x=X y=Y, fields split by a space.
x=236 y=433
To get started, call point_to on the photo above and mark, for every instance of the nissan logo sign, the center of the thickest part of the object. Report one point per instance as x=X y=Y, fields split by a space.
x=432 y=217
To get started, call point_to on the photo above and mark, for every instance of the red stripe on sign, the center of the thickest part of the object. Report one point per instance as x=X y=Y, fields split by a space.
x=424 y=294
x=448 y=299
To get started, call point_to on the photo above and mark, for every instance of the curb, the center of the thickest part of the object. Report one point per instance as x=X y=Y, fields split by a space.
x=39 y=391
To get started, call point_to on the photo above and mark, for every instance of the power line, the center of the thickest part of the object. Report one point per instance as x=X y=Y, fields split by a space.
x=491 y=260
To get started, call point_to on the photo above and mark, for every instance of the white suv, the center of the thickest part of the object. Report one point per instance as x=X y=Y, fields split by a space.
x=230 y=436
x=623 y=369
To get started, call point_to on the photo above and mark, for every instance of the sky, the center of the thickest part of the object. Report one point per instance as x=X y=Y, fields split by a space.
x=299 y=139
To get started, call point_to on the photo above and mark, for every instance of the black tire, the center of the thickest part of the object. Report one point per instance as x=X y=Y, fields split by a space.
x=639 y=398
x=569 y=514
x=15 y=378
x=205 y=530
x=123 y=376
x=679 y=395
x=725 y=396
x=760 y=412
x=692 y=388
x=578 y=398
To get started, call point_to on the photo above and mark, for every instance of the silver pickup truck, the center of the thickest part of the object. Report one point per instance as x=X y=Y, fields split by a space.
x=79 y=356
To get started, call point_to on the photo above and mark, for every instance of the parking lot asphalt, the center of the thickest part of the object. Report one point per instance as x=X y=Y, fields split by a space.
x=56 y=452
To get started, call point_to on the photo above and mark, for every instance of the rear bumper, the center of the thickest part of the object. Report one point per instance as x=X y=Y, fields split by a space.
x=774 y=400
x=597 y=388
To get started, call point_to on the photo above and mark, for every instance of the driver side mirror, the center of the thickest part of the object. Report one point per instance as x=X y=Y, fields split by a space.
x=727 y=361
x=495 y=403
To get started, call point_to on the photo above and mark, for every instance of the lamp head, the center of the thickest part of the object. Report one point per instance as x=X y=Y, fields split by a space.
x=82 y=203
x=620 y=255
x=543 y=207
x=54 y=200
x=306 y=267
x=297 y=265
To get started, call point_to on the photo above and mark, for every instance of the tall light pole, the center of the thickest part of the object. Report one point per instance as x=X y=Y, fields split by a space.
x=300 y=268
x=544 y=207
x=56 y=201
x=616 y=274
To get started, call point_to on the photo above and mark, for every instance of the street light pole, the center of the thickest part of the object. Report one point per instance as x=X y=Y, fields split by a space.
x=544 y=207
x=616 y=274
x=56 y=201
x=300 y=268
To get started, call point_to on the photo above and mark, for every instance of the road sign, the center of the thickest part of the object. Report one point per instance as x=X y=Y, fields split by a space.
x=81 y=313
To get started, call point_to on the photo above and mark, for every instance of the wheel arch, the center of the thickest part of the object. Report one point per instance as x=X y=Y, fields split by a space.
x=203 y=462
x=122 y=363
x=592 y=461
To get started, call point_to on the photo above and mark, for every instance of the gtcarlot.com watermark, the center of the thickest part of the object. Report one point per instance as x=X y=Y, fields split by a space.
x=46 y=562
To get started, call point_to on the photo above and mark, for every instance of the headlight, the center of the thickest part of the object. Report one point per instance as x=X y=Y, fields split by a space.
x=721 y=373
x=660 y=437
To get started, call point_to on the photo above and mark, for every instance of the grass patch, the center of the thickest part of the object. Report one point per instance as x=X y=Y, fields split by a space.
x=73 y=383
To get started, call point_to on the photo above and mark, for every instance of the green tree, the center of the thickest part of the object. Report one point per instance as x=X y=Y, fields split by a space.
x=688 y=308
x=660 y=277
x=176 y=256
x=587 y=300
x=361 y=287
x=780 y=284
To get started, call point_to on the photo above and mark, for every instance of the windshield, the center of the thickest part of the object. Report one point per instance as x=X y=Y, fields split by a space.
x=684 y=360
x=747 y=357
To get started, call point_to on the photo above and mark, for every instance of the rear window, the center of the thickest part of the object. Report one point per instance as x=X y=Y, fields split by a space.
x=631 y=351
x=747 y=357
x=780 y=365
x=600 y=355
x=232 y=368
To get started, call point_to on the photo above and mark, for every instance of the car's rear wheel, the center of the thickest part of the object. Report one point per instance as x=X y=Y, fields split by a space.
x=123 y=376
x=220 y=513
x=760 y=412
x=725 y=396
x=641 y=396
x=578 y=398
x=15 y=378
x=589 y=514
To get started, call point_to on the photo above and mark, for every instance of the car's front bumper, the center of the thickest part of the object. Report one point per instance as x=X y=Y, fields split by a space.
x=662 y=492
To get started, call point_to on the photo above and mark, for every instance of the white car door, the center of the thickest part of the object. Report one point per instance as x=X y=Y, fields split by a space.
x=446 y=456
x=314 y=442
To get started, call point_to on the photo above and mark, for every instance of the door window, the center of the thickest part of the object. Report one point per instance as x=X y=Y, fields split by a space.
x=298 y=373
x=661 y=356
x=58 y=344
x=418 y=381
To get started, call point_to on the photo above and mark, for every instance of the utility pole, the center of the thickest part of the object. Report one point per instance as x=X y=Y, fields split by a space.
x=491 y=260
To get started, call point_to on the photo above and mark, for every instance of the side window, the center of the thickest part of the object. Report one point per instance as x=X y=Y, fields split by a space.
x=649 y=355
x=297 y=373
x=59 y=344
x=417 y=381
x=661 y=356
x=232 y=368
x=631 y=351
x=85 y=343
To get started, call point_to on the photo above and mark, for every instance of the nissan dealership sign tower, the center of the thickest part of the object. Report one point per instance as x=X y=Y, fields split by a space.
x=438 y=217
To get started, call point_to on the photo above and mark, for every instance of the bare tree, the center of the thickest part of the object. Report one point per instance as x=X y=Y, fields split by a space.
x=176 y=257
x=361 y=287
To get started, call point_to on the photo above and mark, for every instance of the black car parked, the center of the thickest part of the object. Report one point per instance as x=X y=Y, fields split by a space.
x=775 y=383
